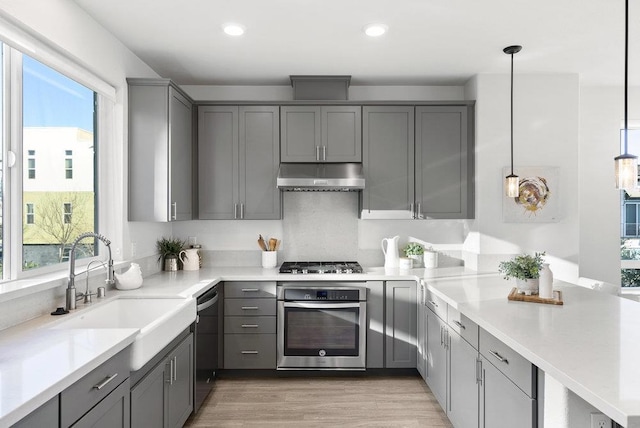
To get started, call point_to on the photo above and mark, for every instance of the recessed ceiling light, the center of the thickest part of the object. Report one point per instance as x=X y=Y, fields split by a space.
x=375 y=30
x=233 y=29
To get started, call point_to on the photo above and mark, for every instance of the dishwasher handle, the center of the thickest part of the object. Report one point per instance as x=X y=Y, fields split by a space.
x=208 y=299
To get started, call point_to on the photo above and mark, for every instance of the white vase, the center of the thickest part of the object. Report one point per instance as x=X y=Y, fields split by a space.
x=430 y=259
x=528 y=286
x=417 y=260
x=546 y=282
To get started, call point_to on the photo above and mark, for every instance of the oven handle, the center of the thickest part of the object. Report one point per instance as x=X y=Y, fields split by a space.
x=208 y=303
x=322 y=305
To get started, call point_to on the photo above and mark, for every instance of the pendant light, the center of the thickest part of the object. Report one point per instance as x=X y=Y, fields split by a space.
x=626 y=164
x=512 y=181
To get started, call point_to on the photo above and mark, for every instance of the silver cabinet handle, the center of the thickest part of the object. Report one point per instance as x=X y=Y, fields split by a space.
x=433 y=303
x=249 y=325
x=235 y=211
x=459 y=324
x=170 y=381
x=419 y=211
x=413 y=211
x=317 y=153
x=324 y=153
x=249 y=290
x=479 y=371
x=174 y=210
x=249 y=352
x=499 y=357
x=105 y=382
x=175 y=368
x=242 y=211
x=441 y=334
x=249 y=308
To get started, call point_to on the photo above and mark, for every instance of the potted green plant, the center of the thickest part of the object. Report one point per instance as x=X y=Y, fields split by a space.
x=168 y=250
x=414 y=251
x=525 y=268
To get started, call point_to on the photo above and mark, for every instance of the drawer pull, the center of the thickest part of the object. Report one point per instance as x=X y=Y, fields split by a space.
x=105 y=382
x=249 y=308
x=433 y=303
x=250 y=290
x=499 y=357
x=249 y=352
x=249 y=325
x=459 y=324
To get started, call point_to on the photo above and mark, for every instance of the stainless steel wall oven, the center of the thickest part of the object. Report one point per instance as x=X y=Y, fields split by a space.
x=322 y=325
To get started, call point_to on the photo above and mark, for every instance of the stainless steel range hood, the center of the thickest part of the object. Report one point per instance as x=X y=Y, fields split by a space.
x=314 y=177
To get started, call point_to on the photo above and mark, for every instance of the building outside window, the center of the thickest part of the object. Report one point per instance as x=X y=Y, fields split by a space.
x=31 y=214
x=67 y=210
x=630 y=223
x=68 y=164
x=31 y=164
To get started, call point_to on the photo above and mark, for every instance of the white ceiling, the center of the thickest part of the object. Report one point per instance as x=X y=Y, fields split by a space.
x=429 y=42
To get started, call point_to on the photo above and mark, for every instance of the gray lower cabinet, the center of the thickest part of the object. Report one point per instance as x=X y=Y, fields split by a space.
x=250 y=325
x=112 y=411
x=238 y=160
x=508 y=386
x=42 y=416
x=421 y=339
x=437 y=358
x=463 y=394
x=163 y=398
x=160 y=151
x=400 y=324
x=321 y=133
x=418 y=162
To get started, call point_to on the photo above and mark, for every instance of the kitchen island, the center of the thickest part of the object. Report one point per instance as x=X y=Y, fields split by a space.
x=559 y=340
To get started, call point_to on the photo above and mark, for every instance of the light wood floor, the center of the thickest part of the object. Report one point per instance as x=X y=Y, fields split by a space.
x=368 y=401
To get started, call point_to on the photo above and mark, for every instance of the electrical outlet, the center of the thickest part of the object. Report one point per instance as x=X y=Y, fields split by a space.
x=600 y=420
x=134 y=247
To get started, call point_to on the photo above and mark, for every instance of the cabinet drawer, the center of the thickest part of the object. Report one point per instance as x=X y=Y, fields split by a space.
x=249 y=351
x=248 y=325
x=249 y=307
x=250 y=289
x=513 y=365
x=436 y=304
x=96 y=385
x=463 y=326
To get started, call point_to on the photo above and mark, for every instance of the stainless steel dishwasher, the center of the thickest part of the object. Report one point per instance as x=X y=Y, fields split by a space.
x=207 y=344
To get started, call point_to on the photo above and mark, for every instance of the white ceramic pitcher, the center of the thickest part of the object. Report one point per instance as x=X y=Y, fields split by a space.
x=391 y=256
x=190 y=259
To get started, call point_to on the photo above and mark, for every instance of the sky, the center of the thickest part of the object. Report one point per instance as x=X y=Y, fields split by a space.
x=51 y=99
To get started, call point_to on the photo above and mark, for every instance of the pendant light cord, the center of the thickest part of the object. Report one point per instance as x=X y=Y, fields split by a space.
x=512 y=113
x=626 y=71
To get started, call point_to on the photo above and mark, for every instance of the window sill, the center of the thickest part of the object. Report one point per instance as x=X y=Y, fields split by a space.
x=16 y=289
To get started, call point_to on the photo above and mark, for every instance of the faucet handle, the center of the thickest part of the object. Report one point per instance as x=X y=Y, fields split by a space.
x=102 y=292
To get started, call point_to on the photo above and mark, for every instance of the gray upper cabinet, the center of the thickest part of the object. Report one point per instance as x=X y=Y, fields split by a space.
x=442 y=163
x=388 y=141
x=160 y=151
x=321 y=133
x=418 y=162
x=238 y=159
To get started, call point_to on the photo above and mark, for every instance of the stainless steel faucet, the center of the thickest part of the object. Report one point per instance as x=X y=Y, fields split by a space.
x=71 y=285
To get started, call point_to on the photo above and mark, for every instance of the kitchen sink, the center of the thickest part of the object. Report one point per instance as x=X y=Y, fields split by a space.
x=159 y=321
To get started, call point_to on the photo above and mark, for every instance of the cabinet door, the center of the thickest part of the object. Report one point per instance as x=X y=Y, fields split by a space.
x=421 y=340
x=180 y=387
x=442 y=162
x=388 y=161
x=341 y=134
x=148 y=398
x=463 y=385
x=502 y=403
x=181 y=150
x=259 y=162
x=111 y=412
x=437 y=358
x=401 y=323
x=218 y=162
x=42 y=416
x=301 y=133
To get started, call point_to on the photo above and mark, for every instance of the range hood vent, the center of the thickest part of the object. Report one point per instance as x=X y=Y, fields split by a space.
x=318 y=177
x=320 y=87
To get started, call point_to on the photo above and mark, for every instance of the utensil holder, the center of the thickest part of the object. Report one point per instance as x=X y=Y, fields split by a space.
x=269 y=259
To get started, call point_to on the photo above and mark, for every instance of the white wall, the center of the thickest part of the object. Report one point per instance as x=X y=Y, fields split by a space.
x=546 y=118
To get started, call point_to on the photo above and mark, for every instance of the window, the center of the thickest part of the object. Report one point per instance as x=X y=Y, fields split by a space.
x=31 y=214
x=67 y=213
x=31 y=164
x=630 y=222
x=68 y=164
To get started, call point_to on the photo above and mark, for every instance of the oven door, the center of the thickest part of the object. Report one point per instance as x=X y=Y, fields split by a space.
x=321 y=335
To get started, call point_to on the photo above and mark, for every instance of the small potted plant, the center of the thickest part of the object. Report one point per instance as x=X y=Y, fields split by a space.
x=414 y=251
x=168 y=250
x=525 y=269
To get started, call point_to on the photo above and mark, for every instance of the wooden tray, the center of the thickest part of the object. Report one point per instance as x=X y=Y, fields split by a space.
x=556 y=300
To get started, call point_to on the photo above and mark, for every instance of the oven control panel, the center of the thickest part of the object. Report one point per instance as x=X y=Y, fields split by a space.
x=343 y=295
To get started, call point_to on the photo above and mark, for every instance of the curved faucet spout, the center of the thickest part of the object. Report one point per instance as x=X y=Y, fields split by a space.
x=71 y=286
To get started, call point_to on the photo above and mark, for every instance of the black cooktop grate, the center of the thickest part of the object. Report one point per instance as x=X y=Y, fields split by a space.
x=320 y=267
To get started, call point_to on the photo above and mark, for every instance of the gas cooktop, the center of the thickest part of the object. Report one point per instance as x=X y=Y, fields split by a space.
x=320 y=267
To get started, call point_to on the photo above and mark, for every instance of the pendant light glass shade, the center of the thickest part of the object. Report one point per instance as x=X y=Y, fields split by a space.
x=512 y=181
x=626 y=164
x=512 y=185
x=626 y=171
